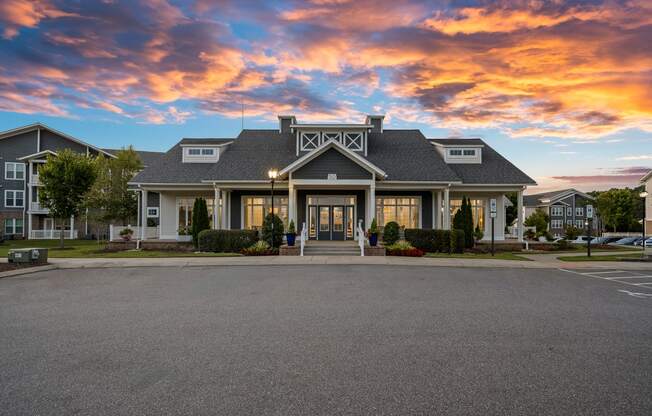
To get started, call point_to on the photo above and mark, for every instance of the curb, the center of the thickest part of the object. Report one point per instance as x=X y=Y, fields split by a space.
x=27 y=270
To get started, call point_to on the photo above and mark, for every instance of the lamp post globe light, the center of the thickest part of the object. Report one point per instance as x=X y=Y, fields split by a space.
x=272 y=174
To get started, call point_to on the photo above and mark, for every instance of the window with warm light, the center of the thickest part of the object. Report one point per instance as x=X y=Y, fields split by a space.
x=406 y=211
x=255 y=207
x=477 y=210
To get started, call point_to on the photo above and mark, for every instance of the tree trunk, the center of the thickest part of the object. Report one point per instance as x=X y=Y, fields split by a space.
x=61 y=231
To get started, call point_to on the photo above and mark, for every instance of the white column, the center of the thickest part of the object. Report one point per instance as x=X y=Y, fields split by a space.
x=29 y=225
x=446 y=215
x=72 y=226
x=372 y=202
x=223 y=223
x=143 y=214
x=216 y=207
x=434 y=209
x=520 y=213
x=138 y=210
x=292 y=205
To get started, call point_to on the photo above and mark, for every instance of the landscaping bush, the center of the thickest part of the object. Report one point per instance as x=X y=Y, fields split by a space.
x=226 y=241
x=571 y=233
x=403 y=248
x=390 y=233
x=529 y=234
x=444 y=241
x=260 y=248
x=457 y=241
x=563 y=245
x=200 y=221
x=276 y=239
x=422 y=239
x=478 y=233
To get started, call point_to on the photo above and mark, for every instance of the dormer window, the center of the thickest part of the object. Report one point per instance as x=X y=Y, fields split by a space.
x=200 y=154
x=460 y=153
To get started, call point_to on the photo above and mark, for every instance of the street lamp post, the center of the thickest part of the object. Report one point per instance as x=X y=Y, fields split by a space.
x=272 y=173
x=643 y=195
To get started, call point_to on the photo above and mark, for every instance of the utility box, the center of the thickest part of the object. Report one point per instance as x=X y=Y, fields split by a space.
x=28 y=255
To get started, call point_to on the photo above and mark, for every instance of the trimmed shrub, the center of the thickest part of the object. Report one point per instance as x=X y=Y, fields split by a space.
x=457 y=241
x=226 y=241
x=445 y=241
x=422 y=239
x=390 y=233
x=200 y=221
x=276 y=239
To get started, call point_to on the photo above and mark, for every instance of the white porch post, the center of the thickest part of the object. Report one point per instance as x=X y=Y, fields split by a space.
x=446 y=215
x=292 y=204
x=520 y=213
x=143 y=213
x=72 y=226
x=138 y=210
x=223 y=223
x=372 y=201
x=216 y=207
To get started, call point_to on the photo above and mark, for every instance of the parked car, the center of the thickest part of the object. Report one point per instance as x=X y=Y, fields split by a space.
x=608 y=240
x=582 y=239
x=648 y=242
x=627 y=241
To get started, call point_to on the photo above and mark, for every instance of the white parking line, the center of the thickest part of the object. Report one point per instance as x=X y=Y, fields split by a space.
x=646 y=285
x=607 y=272
x=626 y=277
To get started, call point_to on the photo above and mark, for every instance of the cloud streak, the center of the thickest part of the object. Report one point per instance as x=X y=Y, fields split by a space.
x=570 y=70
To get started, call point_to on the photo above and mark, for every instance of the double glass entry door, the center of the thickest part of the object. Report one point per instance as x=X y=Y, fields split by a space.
x=330 y=222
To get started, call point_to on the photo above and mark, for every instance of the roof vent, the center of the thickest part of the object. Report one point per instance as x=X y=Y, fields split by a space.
x=376 y=121
x=284 y=123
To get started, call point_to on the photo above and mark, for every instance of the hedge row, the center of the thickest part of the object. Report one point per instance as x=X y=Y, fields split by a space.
x=436 y=241
x=226 y=241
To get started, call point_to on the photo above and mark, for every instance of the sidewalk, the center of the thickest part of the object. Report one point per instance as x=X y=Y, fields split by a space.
x=539 y=261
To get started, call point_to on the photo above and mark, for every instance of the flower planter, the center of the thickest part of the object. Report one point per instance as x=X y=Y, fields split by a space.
x=373 y=239
x=291 y=238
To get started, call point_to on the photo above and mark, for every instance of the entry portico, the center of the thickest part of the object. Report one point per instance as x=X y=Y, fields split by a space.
x=332 y=177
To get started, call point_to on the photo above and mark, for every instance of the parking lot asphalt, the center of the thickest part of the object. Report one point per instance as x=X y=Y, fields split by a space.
x=323 y=339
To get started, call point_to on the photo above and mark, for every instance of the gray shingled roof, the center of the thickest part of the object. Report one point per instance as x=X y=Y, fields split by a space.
x=148 y=158
x=534 y=200
x=206 y=140
x=405 y=155
x=494 y=168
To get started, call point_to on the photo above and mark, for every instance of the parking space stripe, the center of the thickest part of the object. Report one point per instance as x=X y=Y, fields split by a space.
x=594 y=275
x=606 y=272
x=628 y=277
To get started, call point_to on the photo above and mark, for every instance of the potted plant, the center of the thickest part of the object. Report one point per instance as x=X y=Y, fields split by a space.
x=291 y=235
x=373 y=233
x=126 y=234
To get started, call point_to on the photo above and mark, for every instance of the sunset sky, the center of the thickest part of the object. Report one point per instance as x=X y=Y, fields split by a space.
x=561 y=88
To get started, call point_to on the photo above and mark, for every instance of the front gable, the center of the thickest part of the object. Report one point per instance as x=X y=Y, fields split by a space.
x=331 y=162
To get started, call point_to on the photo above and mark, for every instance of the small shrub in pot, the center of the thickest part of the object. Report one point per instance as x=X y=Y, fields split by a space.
x=390 y=233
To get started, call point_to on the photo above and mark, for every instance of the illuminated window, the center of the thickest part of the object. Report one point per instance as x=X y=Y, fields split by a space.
x=255 y=208
x=406 y=211
x=477 y=211
x=184 y=212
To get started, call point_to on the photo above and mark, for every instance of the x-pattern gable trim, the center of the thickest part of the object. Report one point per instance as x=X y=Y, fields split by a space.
x=332 y=144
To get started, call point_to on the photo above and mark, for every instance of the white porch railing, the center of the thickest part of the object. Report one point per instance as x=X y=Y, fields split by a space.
x=150 y=232
x=34 y=179
x=37 y=207
x=52 y=234
x=361 y=238
x=304 y=236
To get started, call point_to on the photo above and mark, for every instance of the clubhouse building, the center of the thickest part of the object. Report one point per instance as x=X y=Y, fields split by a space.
x=332 y=179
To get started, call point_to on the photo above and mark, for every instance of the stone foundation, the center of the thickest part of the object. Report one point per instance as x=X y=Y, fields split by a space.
x=286 y=250
x=374 y=251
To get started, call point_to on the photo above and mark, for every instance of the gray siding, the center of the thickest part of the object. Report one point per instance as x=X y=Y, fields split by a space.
x=331 y=161
x=10 y=150
x=153 y=199
x=54 y=142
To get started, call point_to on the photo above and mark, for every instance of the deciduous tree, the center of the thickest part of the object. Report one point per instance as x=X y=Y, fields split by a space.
x=66 y=179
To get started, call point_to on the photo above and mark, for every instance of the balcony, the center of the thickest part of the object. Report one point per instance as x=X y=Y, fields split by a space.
x=34 y=180
x=37 y=208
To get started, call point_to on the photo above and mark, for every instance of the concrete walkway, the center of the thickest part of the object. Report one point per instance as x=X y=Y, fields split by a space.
x=539 y=261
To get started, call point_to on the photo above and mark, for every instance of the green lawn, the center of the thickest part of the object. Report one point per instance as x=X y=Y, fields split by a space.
x=615 y=257
x=86 y=248
x=498 y=256
x=579 y=249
